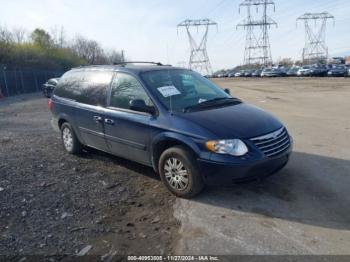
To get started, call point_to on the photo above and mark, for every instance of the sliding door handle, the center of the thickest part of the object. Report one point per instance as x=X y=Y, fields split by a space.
x=98 y=119
x=109 y=121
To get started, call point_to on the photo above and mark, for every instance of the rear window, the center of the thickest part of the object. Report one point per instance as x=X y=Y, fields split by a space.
x=88 y=87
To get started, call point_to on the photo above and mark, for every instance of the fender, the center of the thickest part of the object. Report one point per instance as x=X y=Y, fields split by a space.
x=70 y=120
x=171 y=136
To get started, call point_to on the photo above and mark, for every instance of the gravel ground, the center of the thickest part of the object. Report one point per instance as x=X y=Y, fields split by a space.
x=53 y=203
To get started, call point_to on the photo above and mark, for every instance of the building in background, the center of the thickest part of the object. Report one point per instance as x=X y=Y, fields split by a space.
x=347 y=60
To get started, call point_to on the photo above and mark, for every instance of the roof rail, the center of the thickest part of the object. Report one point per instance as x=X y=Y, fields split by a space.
x=138 y=62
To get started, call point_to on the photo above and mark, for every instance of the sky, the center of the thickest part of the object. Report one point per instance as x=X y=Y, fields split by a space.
x=146 y=29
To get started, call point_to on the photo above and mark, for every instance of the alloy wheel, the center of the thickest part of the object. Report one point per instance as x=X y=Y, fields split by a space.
x=176 y=174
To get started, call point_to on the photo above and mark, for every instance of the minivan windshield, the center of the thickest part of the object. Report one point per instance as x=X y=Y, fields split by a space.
x=183 y=90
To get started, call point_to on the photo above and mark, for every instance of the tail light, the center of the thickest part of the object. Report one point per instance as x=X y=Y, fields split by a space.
x=50 y=104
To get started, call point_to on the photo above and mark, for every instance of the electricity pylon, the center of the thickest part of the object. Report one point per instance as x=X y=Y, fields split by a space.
x=315 y=49
x=199 y=60
x=257 y=47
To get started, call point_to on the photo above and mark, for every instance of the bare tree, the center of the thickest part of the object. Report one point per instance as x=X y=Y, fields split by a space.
x=89 y=50
x=6 y=36
x=59 y=37
x=287 y=62
x=114 y=57
x=6 y=45
x=19 y=35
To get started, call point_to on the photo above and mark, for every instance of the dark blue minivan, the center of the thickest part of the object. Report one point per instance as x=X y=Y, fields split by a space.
x=190 y=131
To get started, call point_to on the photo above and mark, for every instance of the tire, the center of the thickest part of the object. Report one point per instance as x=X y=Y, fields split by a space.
x=179 y=172
x=69 y=140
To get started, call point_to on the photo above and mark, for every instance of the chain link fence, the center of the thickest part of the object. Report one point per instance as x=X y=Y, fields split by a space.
x=21 y=81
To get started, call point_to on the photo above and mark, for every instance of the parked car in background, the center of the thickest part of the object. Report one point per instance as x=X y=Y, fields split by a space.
x=256 y=73
x=292 y=71
x=239 y=73
x=214 y=75
x=304 y=70
x=248 y=73
x=338 y=71
x=223 y=74
x=271 y=72
x=283 y=71
x=49 y=86
x=348 y=72
x=190 y=131
x=231 y=74
x=319 y=70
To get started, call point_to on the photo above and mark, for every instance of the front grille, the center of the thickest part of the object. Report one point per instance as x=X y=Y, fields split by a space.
x=273 y=144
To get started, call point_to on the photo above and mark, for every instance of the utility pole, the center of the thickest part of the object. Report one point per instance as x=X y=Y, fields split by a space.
x=315 y=49
x=199 y=60
x=122 y=56
x=257 y=47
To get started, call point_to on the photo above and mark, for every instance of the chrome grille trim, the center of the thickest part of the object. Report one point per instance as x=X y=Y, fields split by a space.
x=274 y=143
x=277 y=148
x=271 y=135
x=283 y=140
x=280 y=151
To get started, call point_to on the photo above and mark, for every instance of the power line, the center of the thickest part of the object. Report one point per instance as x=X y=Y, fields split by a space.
x=315 y=49
x=257 y=49
x=199 y=60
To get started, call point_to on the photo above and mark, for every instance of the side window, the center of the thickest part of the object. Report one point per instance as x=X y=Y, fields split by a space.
x=88 y=87
x=66 y=87
x=94 y=88
x=126 y=88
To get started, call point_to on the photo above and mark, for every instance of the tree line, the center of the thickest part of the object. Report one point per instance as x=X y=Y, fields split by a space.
x=53 y=50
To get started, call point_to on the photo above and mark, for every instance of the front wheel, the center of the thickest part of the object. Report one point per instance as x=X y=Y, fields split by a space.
x=178 y=171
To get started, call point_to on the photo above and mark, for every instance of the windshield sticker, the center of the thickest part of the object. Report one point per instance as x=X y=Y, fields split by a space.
x=168 y=91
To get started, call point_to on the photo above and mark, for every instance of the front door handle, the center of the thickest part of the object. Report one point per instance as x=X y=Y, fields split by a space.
x=109 y=121
x=98 y=119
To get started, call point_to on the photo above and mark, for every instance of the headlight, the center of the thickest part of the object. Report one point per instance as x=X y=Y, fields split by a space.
x=234 y=147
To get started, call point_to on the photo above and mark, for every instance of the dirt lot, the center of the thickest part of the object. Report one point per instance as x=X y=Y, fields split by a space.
x=53 y=203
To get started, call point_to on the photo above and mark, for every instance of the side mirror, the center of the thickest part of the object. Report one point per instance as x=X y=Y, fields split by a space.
x=227 y=91
x=140 y=106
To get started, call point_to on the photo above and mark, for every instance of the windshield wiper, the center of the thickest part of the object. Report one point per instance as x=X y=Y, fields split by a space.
x=213 y=102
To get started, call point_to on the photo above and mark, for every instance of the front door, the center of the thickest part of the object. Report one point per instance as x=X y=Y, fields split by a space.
x=127 y=132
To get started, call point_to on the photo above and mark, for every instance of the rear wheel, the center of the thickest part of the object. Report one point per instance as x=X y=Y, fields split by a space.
x=70 y=141
x=178 y=171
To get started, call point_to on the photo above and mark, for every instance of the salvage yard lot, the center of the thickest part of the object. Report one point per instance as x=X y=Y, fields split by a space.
x=53 y=203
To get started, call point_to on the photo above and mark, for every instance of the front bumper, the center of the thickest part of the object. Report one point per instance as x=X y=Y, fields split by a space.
x=217 y=173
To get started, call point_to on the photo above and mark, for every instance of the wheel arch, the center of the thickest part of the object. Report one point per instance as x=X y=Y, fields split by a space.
x=64 y=118
x=167 y=140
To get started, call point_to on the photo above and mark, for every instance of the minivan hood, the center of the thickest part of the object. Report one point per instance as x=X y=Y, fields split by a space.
x=237 y=121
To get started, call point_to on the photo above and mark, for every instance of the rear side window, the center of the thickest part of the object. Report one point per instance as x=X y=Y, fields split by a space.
x=87 y=87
